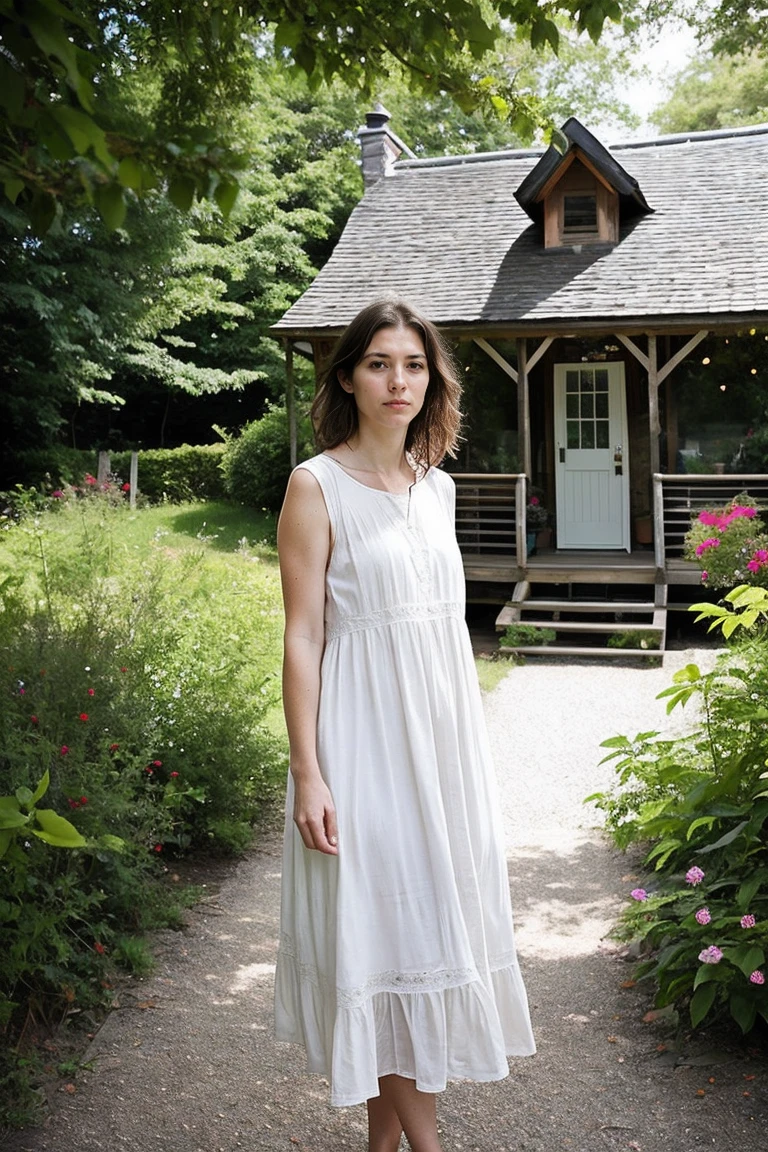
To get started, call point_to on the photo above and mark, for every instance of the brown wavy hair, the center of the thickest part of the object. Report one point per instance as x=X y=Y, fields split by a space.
x=434 y=432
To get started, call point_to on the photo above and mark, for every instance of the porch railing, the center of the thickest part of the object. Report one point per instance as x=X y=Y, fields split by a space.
x=676 y=499
x=490 y=514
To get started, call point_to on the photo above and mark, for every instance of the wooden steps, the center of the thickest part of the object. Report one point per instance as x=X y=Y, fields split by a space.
x=570 y=616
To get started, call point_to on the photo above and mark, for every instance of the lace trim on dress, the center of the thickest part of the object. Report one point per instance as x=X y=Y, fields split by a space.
x=395 y=614
x=393 y=981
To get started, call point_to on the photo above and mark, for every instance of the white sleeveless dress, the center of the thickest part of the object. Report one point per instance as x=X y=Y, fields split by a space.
x=398 y=955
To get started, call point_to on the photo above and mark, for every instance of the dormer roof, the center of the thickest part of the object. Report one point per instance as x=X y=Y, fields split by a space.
x=576 y=141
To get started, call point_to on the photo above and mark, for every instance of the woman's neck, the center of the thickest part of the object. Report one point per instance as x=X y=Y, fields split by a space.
x=385 y=456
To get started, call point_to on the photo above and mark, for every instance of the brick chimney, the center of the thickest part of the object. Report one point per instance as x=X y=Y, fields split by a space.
x=380 y=147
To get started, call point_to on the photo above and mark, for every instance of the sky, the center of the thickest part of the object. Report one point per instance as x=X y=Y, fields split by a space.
x=661 y=58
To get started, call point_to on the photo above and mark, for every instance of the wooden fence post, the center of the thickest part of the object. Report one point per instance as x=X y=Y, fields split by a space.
x=133 y=479
x=102 y=468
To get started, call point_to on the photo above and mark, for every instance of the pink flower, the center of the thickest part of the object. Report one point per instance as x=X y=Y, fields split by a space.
x=91 y=691
x=703 y=916
x=711 y=955
x=125 y=488
x=22 y=691
x=694 y=875
x=709 y=518
x=174 y=775
x=639 y=894
x=157 y=763
x=83 y=799
x=64 y=750
x=34 y=720
x=149 y=771
x=757 y=977
x=91 y=480
x=534 y=500
x=57 y=495
x=158 y=847
x=704 y=576
x=712 y=542
x=758 y=561
x=73 y=803
x=83 y=717
x=748 y=921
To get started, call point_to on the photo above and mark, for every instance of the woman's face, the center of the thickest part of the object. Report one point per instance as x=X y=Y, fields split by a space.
x=390 y=380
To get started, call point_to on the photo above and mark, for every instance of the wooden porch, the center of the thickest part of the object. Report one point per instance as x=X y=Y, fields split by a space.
x=495 y=545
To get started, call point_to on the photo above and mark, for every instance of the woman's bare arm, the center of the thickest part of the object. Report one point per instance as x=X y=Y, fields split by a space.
x=303 y=543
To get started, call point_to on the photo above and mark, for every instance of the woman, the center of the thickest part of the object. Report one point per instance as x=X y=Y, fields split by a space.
x=397 y=968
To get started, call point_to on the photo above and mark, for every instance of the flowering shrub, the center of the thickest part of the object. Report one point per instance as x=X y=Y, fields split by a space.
x=139 y=680
x=698 y=807
x=729 y=544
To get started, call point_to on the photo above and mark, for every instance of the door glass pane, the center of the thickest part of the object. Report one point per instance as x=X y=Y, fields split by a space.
x=601 y=439
x=587 y=380
x=601 y=379
x=571 y=381
x=572 y=427
x=601 y=405
x=588 y=435
x=587 y=405
x=572 y=406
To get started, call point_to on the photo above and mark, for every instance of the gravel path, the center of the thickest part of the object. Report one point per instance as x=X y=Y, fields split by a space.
x=188 y=1064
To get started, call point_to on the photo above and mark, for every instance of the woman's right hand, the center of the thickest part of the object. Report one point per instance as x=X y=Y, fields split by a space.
x=314 y=814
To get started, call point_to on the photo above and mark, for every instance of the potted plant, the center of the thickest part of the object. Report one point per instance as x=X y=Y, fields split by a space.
x=536 y=524
x=643 y=528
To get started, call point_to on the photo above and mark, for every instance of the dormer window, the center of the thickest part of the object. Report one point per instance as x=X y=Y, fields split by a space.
x=579 y=192
x=580 y=214
x=580 y=207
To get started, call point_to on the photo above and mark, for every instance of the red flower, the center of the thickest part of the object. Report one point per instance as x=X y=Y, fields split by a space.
x=157 y=763
x=83 y=716
x=149 y=771
x=57 y=494
x=91 y=691
x=22 y=691
x=64 y=750
x=114 y=747
x=90 y=479
x=125 y=488
x=123 y=669
x=158 y=847
x=174 y=775
x=97 y=947
x=34 y=720
x=83 y=799
x=73 y=803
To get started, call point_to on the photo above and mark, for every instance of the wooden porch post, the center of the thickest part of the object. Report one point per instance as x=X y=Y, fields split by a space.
x=290 y=401
x=653 y=405
x=523 y=407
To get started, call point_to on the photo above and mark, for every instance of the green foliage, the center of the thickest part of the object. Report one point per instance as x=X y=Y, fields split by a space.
x=744 y=607
x=78 y=125
x=637 y=638
x=730 y=544
x=138 y=681
x=716 y=91
x=698 y=806
x=191 y=472
x=525 y=635
x=257 y=463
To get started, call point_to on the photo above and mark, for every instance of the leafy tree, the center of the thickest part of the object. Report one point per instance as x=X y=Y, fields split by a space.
x=74 y=127
x=717 y=91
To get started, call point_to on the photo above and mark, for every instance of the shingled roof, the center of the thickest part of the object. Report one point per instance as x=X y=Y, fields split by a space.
x=448 y=235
